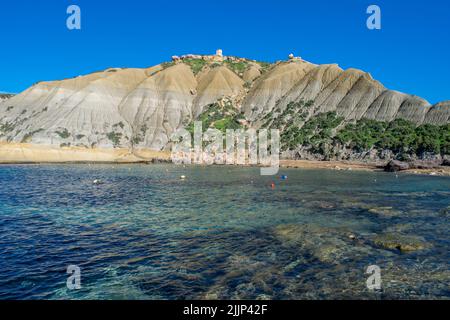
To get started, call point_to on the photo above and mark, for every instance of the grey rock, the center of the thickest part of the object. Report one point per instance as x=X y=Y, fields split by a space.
x=395 y=165
x=404 y=243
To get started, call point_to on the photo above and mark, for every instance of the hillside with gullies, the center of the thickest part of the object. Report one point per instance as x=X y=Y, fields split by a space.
x=322 y=111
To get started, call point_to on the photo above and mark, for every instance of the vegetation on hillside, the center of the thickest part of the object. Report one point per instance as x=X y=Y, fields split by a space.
x=237 y=67
x=399 y=136
x=293 y=115
x=63 y=134
x=114 y=137
x=166 y=65
x=195 y=64
x=27 y=137
x=140 y=135
x=318 y=133
x=220 y=117
x=265 y=66
x=6 y=127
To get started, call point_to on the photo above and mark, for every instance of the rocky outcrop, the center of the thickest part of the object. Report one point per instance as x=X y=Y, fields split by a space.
x=396 y=165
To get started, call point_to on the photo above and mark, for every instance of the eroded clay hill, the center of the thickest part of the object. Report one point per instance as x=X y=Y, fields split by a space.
x=143 y=107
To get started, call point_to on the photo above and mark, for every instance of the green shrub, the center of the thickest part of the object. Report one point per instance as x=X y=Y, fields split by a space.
x=195 y=64
x=315 y=133
x=64 y=134
x=136 y=140
x=7 y=127
x=237 y=66
x=27 y=137
x=114 y=137
x=293 y=115
x=265 y=66
x=166 y=65
x=399 y=136
x=120 y=124
x=216 y=117
x=247 y=84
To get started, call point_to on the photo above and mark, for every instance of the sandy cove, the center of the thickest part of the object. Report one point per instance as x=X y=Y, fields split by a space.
x=21 y=153
x=16 y=153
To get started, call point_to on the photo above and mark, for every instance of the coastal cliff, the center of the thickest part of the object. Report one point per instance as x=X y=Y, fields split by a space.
x=319 y=109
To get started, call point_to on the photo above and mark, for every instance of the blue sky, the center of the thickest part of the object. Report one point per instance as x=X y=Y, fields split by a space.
x=410 y=53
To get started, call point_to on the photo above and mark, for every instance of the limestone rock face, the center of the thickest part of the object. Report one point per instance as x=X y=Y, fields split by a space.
x=141 y=108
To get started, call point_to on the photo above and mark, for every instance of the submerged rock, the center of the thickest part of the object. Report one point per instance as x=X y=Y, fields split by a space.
x=328 y=245
x=385 y=211
x=445 y=211
x=404 y=243
x=399 y=228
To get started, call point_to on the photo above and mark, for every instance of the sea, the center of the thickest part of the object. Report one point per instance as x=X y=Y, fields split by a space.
x=141 y=232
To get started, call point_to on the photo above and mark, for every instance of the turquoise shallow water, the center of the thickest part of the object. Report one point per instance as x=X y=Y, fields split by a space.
x=221 y=234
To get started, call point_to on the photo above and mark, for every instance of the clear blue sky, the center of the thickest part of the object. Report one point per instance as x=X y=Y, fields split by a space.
x=410 y=54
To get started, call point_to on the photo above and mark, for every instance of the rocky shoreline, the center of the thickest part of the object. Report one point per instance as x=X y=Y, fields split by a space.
x=418 y=168
x=16 y=153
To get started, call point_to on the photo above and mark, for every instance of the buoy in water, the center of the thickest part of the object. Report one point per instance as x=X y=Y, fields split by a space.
x=272 y=185
x=284 y=177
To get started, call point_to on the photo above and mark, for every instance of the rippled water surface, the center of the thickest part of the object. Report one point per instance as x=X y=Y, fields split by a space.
x=223 y=233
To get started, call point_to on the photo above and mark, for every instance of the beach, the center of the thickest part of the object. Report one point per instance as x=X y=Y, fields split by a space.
x=16 y=153
x=22 y=153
